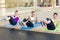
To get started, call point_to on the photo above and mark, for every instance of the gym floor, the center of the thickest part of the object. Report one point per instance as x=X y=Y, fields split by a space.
x=7 y=34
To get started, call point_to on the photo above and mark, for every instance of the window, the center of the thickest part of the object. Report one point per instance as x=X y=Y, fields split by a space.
x=19 y=3
x=44 y=3
x=10 y=3
x=2 y=6
x=57 y=2
x=2 y=3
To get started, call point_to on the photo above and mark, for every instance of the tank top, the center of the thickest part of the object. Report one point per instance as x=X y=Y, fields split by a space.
x=55 y=22
x=16 y=18
x=32 y=18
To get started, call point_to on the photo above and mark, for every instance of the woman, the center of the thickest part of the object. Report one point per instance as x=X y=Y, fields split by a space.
x=32 y=18
x=12 y=19
x=15 y=17
x=55 y=20
x=51 y=23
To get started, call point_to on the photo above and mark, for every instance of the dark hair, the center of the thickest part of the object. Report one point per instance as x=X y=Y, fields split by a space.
x=16 y=11
x=55 y=14
x=33 y=12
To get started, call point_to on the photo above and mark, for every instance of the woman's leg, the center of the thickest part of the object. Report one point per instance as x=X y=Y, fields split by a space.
x=43 y=22
x=12 y=21
x=21 y=23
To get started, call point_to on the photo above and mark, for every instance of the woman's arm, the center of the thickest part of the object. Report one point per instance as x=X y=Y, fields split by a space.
x=47 y=22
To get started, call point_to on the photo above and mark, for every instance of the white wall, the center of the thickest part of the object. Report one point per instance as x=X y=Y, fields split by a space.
x=3 y=10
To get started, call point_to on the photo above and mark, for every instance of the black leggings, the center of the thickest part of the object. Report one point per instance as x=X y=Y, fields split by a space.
x=50 y=26
x=12 y=21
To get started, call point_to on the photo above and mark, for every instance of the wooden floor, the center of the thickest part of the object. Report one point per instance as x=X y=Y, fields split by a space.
x=44 y=29
x=7 y=34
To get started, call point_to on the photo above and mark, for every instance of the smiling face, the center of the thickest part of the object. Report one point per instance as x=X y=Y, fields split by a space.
x=16 y=12
x=55 y=16
x=33 y=13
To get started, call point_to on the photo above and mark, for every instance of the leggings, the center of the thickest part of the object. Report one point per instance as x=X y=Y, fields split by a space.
x=50 y=26
x=12 y=21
